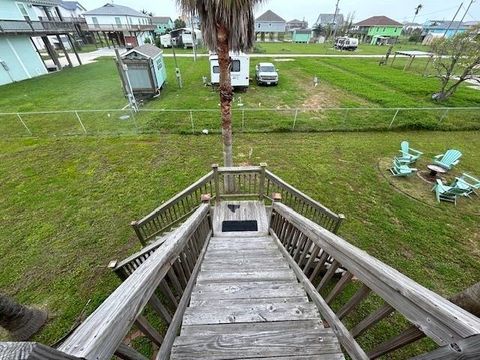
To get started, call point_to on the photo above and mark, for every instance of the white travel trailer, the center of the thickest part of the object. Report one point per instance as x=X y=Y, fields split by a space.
x=166 y=40
x=183 y=37
x=240 y=70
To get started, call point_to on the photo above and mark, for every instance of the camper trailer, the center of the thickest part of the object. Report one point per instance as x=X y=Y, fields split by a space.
x=166 y=41
x=240 y=70
x=346 y=43
x=183 y=37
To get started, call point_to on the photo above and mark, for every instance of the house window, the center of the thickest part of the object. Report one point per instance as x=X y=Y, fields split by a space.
x=22 y=9
x=159 y=64
x=236 y=66
x=95 y=22
x=118 y=22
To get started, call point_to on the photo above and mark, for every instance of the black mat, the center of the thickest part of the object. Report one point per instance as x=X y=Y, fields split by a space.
x=235 y=225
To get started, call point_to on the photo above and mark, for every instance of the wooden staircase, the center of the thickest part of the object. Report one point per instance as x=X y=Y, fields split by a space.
x=247 y=302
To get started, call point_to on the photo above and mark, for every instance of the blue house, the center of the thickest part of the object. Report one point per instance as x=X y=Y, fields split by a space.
x=162 y=24
x=443 y=28
x=20 y=21
x=271 y=24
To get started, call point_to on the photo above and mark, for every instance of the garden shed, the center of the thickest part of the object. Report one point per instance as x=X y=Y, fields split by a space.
x=144 y=70
x=301 y=35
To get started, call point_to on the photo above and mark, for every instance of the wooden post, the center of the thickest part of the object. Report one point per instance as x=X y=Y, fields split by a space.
x=31 y=351
x=60 y=43
x=72 y=44
x=135 y=227
x=340 y=219
x=261 y=186
x=277 y=197
x=217 y=182
x=51 y=52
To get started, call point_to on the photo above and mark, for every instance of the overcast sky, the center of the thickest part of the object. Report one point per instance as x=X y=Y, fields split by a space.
x=400 y=10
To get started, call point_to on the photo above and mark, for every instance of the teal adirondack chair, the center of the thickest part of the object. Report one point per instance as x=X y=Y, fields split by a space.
x=467 y=182
x=409 y=155
x=399 y=169
x=447 y=193
x=448 y=160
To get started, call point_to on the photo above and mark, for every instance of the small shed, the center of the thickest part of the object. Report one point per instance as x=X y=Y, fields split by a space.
x=144 y=70
x=301 y=35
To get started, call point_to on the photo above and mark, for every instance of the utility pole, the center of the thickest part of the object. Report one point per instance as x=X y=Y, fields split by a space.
x=466 y=11
x=451 y=22
x=334 y=21
x=123 y=68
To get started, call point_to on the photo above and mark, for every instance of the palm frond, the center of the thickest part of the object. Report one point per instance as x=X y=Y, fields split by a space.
x=236 y=16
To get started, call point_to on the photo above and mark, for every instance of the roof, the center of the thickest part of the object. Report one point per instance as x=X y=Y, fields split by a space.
x=269 y=15
x=328 y=19
x=379 y=21
x=115 y=9
x=296 y=21
x=148 y=50
x=161 y=19
x=303 y=31
x=442 y=24
x=71 y=5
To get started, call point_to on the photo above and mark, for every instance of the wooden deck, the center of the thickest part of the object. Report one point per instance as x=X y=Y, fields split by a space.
x=247 y=302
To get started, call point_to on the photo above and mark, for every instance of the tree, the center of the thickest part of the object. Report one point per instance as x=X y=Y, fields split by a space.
x=457 y=60
x=20 y=321
x=179 y=23
x=227 y=25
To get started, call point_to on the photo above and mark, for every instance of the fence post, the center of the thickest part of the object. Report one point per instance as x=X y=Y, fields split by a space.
x=191 y=120
x=80 y=121
x=339 y=222
x=217 y=182
x=243 y=120
x=295 y=119
x=23 y=123
x=261 y=186
x=393 y=119
x=345 y=118
x=135 y=227
x=445 y=114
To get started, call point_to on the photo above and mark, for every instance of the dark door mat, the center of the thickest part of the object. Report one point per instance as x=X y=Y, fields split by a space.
x=236 y=225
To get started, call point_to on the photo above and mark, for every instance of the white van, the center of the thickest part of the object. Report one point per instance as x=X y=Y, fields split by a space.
x=240 y=70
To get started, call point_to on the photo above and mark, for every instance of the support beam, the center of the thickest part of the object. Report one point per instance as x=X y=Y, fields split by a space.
x=72 y=44
x=31 y=351
x=51 y=52
x=60 y=42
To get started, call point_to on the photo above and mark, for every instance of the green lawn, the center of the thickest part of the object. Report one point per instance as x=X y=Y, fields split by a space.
x=67 y=204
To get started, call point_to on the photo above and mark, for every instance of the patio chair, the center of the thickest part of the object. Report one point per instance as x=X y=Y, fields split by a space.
x=399 y=169
x=467 y=182
x=448 y=160
x=409 y=155
x=447 y=193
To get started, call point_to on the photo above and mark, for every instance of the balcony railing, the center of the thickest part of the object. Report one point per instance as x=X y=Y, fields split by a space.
x=35 y=27
x=117 y=27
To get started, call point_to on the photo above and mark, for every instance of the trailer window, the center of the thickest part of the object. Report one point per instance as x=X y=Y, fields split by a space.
x=216 y=69
x=236 y=66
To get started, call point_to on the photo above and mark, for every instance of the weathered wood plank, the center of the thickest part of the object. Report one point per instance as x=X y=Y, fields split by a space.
x=145 y=327
x=255 y=266
x=251 y=328
x=125 y=352
x=224 y=302
x=360 y=295
x=435 y=316
x=244 y=261
x=465 y=349
x=261 y=275
x=242 y=254
x=406 y=337
x=241 y=313
x=240 y=346
x=371 y=319
x=240 y=290
x=31 y=351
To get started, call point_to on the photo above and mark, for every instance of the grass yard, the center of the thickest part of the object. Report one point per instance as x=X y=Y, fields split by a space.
x=344 y=83
x=67 y=204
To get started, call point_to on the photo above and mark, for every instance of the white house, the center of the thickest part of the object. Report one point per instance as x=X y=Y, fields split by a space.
x=120 y=24
x=270 y=23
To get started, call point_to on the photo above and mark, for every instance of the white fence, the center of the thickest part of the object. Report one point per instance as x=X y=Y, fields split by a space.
x=196 y=121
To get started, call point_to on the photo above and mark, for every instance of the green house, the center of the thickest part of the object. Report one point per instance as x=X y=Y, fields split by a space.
x=162 y=24
x=301 y=35
x=378 y=30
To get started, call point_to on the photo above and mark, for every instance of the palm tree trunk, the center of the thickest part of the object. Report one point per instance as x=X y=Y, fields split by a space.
x=226 y=96
x=20 y=321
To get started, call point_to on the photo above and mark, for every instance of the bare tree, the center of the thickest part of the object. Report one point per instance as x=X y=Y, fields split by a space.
x=457 y=60
x=20 y=321
x=227 y=25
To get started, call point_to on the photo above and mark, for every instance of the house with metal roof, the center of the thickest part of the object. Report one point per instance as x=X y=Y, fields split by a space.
x=162 y=24
x=378 y=30
x=442 y=28
x=271 y=24
x=120 y=24
x=326 y=20
x=296 y=24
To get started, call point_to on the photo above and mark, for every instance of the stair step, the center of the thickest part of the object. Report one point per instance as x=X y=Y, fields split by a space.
x=226 y=302
x=260 y=275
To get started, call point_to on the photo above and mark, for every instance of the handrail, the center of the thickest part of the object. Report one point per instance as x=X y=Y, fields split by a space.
x=103 y=331
x=172 y=211
x=303 y=203
x=438 y=318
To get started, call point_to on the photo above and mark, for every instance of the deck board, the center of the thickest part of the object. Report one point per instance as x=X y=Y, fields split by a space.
x=247 y=302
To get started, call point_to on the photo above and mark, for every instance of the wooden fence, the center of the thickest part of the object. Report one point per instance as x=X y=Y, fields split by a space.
x=308 y=247
x=244 y=182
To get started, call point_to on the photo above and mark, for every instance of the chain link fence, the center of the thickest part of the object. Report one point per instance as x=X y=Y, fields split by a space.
x=197 y=121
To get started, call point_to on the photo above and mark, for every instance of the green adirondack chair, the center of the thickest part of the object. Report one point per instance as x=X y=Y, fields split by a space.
x=409 y=155
x=448 y=160
x=399 y=169
x=447 y=193
x=467 y=182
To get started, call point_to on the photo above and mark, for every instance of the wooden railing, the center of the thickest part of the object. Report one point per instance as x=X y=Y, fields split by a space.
x=245 y=182
x=157 y=278
x=307 y=247
x=36 y=27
